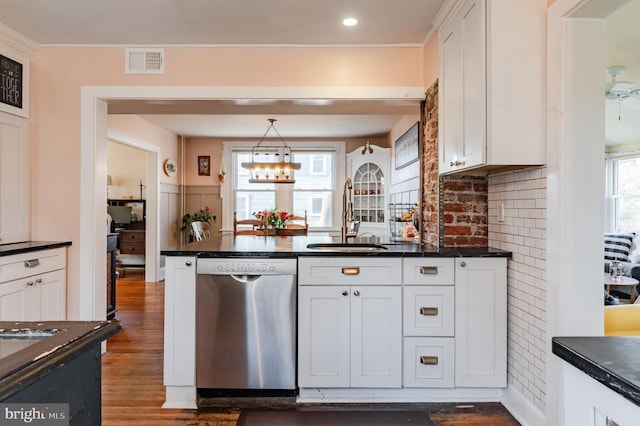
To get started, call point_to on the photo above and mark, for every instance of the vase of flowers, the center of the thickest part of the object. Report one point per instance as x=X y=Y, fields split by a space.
x=273 y=218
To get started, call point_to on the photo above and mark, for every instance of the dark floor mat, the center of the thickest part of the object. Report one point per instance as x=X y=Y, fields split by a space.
x=333 y=417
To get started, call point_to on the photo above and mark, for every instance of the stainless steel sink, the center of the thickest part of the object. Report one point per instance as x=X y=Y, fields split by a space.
x=346 y=246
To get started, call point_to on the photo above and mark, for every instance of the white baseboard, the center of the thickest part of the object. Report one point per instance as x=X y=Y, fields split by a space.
x=522 y=409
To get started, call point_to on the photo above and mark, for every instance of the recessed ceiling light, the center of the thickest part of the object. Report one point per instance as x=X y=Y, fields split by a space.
x=350 y=22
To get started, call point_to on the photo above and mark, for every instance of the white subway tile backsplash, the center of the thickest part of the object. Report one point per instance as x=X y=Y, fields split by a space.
x=523 y=233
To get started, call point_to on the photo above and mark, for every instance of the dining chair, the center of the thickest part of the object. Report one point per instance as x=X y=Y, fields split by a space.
x=246 y=226
x=297 y=225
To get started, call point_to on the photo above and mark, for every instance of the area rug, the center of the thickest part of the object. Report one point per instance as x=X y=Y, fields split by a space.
x=333 y=417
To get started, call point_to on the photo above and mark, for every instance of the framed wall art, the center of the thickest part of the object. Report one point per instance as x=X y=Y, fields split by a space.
x=406 y=148
x=204 y=165
x=14 y=85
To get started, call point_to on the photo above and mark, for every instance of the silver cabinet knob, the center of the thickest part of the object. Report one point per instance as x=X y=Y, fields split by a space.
x=356 y=293
x=187 y=263
x=345 y=293
x=463 y=264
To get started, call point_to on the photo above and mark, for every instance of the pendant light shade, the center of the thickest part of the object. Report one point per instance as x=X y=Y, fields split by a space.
x=271 y=163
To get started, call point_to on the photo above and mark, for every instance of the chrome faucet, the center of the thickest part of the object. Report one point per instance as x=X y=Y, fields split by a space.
x=347 y=209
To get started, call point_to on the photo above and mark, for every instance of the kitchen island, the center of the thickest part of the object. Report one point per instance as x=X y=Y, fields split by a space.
x=602 y=379
x=420 y=317
x=54 y=362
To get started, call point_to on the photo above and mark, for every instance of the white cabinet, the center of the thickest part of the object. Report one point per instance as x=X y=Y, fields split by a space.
x=481 y=322
x=491 y=89
x=429 y=318
x=350 y=328
x=33 y=286
x=370 y=175
x=14 y=179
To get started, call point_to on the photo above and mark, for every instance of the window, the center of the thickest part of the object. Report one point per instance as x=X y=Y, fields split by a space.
x=318 y=185
x=625 y=192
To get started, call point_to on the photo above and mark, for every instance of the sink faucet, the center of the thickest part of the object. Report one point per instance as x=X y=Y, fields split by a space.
x=347 y=209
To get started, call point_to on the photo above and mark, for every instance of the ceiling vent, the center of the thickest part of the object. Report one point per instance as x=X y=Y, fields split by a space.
x=144 y=61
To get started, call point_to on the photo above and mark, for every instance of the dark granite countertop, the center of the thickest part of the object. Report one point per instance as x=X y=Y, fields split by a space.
x=611 y=360
x=29 y=350
x=226 y=245
x=29 y=246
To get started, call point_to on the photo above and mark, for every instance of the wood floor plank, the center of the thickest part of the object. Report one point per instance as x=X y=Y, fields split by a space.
x=132 y=389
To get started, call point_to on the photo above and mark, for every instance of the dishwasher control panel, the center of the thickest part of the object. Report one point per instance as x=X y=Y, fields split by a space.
x=249 y=266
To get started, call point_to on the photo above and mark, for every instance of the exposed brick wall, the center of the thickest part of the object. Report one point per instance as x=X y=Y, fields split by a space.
x=464 y=211
x=430 y=178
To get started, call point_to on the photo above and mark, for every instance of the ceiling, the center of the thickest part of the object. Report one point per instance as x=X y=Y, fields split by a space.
x=280 y=22
x=228 y=22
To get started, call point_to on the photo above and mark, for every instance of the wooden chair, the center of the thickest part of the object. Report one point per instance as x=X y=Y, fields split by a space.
x=201 y=230
x=297 y=225
x=246 y=226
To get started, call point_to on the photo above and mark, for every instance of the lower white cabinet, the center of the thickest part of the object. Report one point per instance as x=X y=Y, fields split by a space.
x=428 y=362
x=481 y=322
x=33 y=286
x=439 y=323
x=349 y=330
x=350 y=336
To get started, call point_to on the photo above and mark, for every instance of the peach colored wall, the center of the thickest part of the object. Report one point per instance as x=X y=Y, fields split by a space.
x=202 y=146
x=127 y=167
x=431 y=59
x=58 y=74
x=139 y=129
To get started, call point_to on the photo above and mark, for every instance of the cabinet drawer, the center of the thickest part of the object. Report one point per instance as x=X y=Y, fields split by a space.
x=429 y=311
x=28 y=264
x=132 y=248
x=132 y=236
x=428 y=271
x=349 y=270
x=428 y=362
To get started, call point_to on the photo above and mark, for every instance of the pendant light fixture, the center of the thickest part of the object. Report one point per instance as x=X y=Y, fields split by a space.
x=271 y=163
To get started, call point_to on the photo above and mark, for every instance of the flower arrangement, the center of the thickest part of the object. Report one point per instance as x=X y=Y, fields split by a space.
x=274 y=218
x=202 y=215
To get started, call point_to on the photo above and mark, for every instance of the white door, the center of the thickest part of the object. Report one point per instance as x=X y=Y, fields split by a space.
x=14 y=179
x=323 y=336
x=481 y=322
x=13 y=300
x=48 y=298
x=376 y=337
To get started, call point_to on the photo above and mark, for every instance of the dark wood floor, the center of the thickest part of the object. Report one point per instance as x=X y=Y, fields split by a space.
x=132 y=389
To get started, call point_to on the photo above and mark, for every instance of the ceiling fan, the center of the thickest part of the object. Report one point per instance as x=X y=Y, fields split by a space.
x=621 y=91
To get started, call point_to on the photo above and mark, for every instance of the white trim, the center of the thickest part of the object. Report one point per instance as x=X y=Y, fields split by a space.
x=16 y=42
x=575 y=147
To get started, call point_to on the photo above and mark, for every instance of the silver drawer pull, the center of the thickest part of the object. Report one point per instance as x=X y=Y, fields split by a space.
x=350 y=270
x=429 y=360
x=428 y=311
x=429 y=270
x=31 y=263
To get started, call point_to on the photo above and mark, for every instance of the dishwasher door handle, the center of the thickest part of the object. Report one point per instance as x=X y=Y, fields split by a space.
x=246 y=278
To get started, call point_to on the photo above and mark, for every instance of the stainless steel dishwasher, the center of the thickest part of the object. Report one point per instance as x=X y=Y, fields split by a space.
x=246 y=324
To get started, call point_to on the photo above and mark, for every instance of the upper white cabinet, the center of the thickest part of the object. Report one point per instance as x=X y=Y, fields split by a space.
x=491 y=84
x=14 y=179
x=369 y=172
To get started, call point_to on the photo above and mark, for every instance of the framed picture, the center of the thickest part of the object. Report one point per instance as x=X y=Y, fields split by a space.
x=204 y=165
x=14 y=85
x=407 y=148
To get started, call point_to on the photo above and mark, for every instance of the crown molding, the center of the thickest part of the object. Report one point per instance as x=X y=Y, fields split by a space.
x=16 y=43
